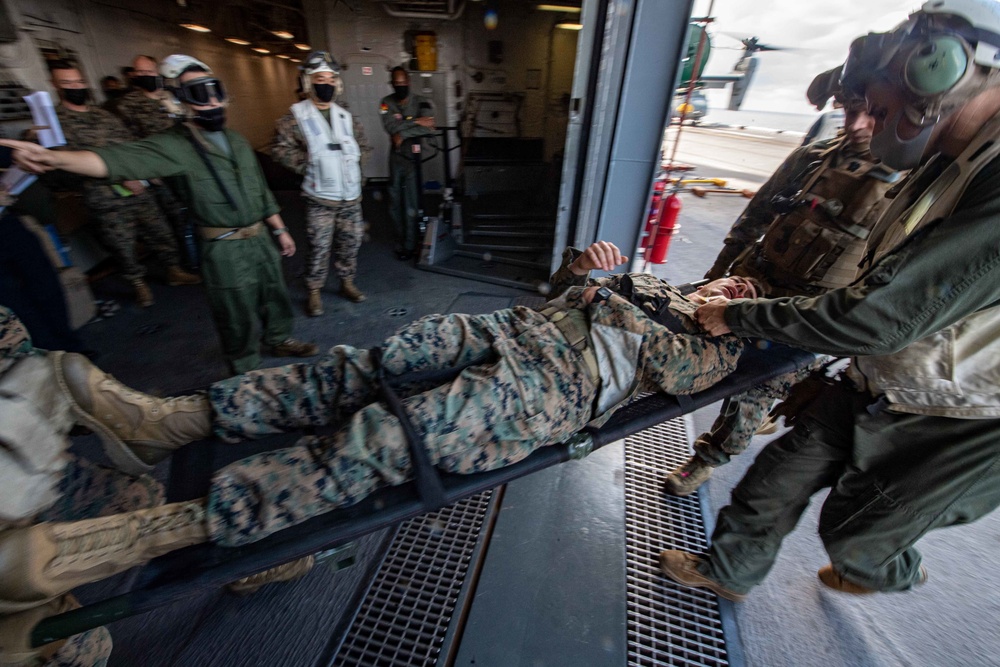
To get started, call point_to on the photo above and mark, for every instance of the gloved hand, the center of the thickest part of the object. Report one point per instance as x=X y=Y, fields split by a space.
x=801 y=397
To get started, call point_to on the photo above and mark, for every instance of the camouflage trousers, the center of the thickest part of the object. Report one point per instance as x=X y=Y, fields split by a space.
x=335 y=227
x=121 y=222
x=742 y=414
x=522 y=387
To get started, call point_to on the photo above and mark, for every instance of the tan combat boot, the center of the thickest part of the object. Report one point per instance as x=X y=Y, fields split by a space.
x=830 y=577
x=287 y=572
x=350 y=291
x=137 y=430
x=178 y=276
x=314 y=305
x=295 y=348
x=41 y=562
x=143 y=295
x=686 y=479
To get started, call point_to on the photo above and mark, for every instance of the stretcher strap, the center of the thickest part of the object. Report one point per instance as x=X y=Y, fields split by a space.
x=428 y=481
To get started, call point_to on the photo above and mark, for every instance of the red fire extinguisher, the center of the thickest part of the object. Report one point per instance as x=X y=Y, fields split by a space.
x=670 y=207
x=654 y=211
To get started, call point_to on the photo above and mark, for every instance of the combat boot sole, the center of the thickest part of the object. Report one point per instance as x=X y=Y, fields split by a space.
x=682 y=567
x=287 y=572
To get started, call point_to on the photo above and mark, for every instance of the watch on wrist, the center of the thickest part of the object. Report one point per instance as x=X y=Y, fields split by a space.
x=602 y=295
x=279 y=231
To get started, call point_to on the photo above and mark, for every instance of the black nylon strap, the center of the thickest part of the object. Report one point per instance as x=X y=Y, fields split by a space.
x=200 y=150
x=428 y=481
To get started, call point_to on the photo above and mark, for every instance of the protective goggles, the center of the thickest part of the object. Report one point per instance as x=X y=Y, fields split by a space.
x=201 y=91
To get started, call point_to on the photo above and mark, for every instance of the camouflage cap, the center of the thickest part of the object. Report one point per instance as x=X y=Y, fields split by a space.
x=824 y=86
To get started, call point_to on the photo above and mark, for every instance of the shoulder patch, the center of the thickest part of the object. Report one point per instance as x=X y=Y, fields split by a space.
x=383 y=108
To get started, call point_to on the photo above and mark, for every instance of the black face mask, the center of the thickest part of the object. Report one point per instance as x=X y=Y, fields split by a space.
x=148 y=83
x=77 y=96
x=324 y=91
x=402 y=92
x=211 y=120
x=115 y=93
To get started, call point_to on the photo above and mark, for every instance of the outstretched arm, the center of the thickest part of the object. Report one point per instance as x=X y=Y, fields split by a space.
x=35 y=159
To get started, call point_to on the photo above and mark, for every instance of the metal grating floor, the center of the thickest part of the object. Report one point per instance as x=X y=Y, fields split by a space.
x=408 y=609
x=667 y=624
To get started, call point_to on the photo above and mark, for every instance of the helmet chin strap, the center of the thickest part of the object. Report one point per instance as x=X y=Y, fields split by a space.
x=899 y=153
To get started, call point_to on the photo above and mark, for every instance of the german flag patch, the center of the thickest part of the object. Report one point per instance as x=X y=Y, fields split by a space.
x=383 y=108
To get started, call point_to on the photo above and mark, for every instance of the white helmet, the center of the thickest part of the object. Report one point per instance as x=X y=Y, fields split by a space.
x=175 y=65
x=320 y=61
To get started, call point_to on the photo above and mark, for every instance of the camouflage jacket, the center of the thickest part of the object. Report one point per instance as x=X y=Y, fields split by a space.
x=143 y=116
x=35 y=418
x=15 y=341
x=646 y=340
x=94 y=128
x=658 y=299
x=290 y=149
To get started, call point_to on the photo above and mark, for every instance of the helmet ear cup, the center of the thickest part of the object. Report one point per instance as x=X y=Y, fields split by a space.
x=936 y=65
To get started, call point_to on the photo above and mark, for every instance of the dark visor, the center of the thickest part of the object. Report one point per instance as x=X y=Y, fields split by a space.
x=201 y=91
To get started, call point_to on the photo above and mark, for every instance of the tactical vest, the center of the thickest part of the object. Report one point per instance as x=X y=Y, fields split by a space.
x=818 y=245
x=334 y=170
x=954 y=372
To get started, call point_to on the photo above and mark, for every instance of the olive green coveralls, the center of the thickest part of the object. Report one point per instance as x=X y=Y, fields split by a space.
x=243 y=277
x=404 y=193
x=893 y=476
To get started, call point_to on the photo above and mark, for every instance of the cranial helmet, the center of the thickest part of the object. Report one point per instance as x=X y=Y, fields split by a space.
x=940 y=57
x=320 y=61
x=173 y=66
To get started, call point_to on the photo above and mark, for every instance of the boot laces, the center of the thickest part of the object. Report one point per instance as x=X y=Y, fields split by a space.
x=128 y=532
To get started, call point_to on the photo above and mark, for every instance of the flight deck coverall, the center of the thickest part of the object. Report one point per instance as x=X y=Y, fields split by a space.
x=918 y=447
x=524 y=385
x=404 y=190
x=242 y=275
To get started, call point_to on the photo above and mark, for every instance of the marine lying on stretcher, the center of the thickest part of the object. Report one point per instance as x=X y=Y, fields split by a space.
x=529 y=378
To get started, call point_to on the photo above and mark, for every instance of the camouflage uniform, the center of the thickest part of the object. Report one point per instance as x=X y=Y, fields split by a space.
x=404 y=190
x=84 y=490
x=144 y=116
x=761 y=230
x=118 y=218
x=330 y=225
x=523 y=386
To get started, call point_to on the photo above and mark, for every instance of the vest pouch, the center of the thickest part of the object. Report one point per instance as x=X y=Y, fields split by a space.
x=330 y=174
x=801 y=247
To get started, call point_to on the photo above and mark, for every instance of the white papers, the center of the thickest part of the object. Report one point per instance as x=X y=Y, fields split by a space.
x=46 y=122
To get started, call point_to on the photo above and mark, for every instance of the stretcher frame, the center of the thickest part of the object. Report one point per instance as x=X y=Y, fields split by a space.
x=194 y=570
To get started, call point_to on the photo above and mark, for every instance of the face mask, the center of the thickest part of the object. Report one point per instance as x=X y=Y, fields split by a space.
x=114 y=94
x=324 y=91
x=148 y=83
x=76 y=96
x=211 y=120
x=895 y=152
x=402 y=92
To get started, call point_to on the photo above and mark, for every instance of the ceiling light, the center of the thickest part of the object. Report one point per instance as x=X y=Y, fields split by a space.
x=557 y=8
x=260 y=50
x=302 y=47
x=283 y=34
x=570 y=26
x=196 y=27
x=237 y=40
x=295 y=60
x=282 y=55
